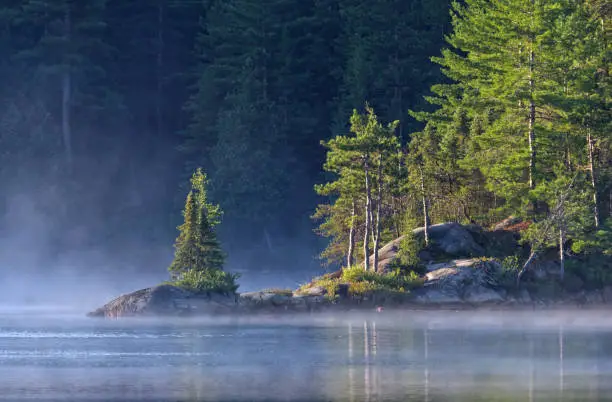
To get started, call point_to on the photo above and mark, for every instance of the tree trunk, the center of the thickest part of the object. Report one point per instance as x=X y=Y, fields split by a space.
x=562 y=251
x=66 y=94
x=425 y=208
x=159 y=72
x=351 y=245
x=376 y=229
x=368 y=220
x=532 y=256
x=532 y=118
x=590 y=145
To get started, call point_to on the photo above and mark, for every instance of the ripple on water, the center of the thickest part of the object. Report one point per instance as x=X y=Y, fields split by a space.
x=44 y=334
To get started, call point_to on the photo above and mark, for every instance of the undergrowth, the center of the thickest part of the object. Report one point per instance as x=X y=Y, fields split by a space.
x=208 y=281
x=361 y=282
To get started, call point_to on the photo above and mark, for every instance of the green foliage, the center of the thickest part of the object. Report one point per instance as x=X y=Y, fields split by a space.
x=209 y=281
x=506 y=276
x=594 y=269
x=407 y=257
x=385 y=46
x=524 y=111
x=199 y=185
x=197 y=247
x=597 y=241
x=362 y=282
x=369 y=153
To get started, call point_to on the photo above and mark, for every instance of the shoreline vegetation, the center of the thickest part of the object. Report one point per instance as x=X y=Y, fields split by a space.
x=508 y=184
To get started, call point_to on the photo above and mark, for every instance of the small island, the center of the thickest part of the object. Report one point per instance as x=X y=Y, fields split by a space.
x=495 y=194
x=447 y=265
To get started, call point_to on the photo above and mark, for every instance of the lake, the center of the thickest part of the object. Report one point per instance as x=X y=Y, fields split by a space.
x=409 y=356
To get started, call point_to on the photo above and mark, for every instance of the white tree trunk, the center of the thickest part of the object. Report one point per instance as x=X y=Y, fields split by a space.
x=351 y=241
x=425 y=208
x=378 y=208
x=532 y=118
x=368 y=220
x=591 y=146
x=66 y=94
x=562 y=251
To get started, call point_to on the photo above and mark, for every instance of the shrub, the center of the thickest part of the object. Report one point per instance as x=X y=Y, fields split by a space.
x=208 y=281
x=357 y=273
x=507 y=275
x=397 y=280
x=361 y=282
x=407 y=257
x=360 y=288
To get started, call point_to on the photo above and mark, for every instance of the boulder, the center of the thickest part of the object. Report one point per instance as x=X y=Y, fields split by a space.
x=449 y=238
x=165 y=300
x=263 y=298
x=274 y=302
x=461 y=281
x=313 y=291
x=453 y=239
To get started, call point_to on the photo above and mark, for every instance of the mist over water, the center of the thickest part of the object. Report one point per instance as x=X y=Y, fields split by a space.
x=413 y=356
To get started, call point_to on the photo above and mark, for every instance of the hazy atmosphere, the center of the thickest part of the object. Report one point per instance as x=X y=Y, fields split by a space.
x=309 y=199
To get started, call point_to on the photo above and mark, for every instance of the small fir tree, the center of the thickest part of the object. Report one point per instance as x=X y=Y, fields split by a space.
x=197 y=247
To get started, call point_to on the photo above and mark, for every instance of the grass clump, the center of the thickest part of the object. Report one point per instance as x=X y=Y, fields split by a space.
x=505 y=277
x=361 y=282
x=209 y=281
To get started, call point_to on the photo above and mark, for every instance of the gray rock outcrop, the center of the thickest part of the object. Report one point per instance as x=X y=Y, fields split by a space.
x=460 y=281
x=165 y=300
x=451 y=238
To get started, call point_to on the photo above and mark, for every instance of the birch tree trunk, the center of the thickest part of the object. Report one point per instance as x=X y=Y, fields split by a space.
x=532 y=118
x=425 y=208
x=351 y=241
x=562 y=251
x=376 y=229
x=66 y=93
x=591 y=146
x=368 y=220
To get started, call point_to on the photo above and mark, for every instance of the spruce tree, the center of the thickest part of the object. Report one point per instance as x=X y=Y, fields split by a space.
x=197 y=247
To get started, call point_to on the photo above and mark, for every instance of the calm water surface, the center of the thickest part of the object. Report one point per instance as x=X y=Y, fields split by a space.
x=441 y=356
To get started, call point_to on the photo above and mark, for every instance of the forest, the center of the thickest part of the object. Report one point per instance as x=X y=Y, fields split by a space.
x=399 y=113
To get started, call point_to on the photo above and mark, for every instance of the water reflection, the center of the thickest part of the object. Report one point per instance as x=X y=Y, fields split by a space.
x=367 y=359
x=474 y=365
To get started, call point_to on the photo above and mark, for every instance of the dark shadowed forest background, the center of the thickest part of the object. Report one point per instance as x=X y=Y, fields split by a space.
x=106 y=106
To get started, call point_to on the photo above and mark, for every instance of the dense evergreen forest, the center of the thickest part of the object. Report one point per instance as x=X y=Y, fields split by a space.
x=107 y=107
x=520 y=126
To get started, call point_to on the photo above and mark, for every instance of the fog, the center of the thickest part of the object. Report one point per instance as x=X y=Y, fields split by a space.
x=58 y=250
x=409 y=355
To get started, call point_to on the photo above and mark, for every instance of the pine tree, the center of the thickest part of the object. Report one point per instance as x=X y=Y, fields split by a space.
x=366 y=155
x=500 y=71
x=197 y=247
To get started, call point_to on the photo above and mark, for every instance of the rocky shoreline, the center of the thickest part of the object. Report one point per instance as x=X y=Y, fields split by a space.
x=468 y=278
x=456 y=285
x=272 y=303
